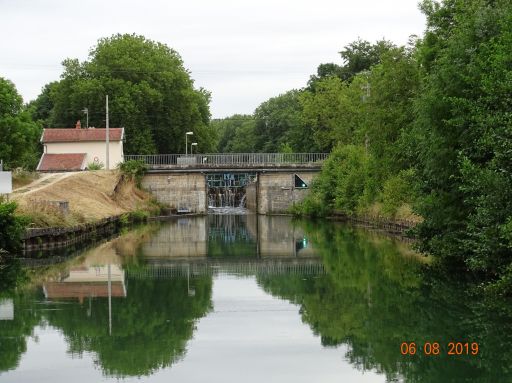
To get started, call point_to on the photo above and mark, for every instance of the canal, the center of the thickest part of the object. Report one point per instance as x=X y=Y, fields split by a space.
x=232 y=298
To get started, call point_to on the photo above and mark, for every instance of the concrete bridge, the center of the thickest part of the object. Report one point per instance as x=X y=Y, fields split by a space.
x=268 y=183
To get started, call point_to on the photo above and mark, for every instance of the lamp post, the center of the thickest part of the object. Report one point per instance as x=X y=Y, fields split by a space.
x=192 y=147
x=186 y=141
x=86 y=112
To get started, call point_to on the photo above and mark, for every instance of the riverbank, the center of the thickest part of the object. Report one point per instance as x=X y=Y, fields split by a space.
x=396 y=227
x=67 y=200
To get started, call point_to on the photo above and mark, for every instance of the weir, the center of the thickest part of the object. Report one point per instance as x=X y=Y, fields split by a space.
x=266 y=183
x=228 y=189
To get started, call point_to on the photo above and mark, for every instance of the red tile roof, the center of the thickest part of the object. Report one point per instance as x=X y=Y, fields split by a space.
x=61 y=162
x=82 y=289
x=76 y=135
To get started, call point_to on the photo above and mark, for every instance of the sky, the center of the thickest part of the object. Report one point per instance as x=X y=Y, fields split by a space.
x=243 y=52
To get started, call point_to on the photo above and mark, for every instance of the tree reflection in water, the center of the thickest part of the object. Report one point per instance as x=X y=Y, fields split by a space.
x=373 y=298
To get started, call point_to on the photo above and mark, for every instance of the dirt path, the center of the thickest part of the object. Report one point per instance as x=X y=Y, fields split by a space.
x=41 y=183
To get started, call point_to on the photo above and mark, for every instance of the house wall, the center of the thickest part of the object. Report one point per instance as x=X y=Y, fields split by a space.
x=92 y=148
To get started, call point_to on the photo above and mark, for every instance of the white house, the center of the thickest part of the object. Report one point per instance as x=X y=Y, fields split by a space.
x=73 y=149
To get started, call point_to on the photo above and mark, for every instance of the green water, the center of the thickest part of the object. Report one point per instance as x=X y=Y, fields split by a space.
x=245 y=298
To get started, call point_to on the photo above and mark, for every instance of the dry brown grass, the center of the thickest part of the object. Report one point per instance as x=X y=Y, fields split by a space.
x=91 y=196
x=22 y=178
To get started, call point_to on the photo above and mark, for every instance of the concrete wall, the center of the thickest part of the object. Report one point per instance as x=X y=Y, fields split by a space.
x=92 y=148
x=273 y=193
x=276 y=192
x=179 y=190
x=250 y=196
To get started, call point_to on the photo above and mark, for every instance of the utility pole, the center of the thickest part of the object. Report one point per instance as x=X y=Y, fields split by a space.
x=107 y=165
x=86 y=111
x=366 y=96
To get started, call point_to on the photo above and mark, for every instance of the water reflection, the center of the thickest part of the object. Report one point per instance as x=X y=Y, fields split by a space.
x=360 y=294
x=228 y=236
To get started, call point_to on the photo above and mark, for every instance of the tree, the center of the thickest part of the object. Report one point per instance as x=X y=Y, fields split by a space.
x=358 y=56
x=331 y=113
x=151 y=94
x=41 y=108
x=278 y=122
x=235 y=134
x=19 y=145
x=463 y=131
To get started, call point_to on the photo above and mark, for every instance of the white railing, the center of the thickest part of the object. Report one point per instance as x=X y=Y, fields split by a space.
x=228 y=160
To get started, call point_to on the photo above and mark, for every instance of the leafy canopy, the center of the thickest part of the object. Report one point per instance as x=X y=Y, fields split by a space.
x=150 y=93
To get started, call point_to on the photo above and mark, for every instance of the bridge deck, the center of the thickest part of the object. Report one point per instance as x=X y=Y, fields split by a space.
x=235 y=161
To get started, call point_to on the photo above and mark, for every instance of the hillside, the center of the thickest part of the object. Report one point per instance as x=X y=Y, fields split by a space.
x=91 y=196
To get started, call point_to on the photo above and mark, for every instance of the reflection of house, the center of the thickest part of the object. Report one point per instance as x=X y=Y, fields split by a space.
x=72 y=149
x=86 y=281
x=6 y=309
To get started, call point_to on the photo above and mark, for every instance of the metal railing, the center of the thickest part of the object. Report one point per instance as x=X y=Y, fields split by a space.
x=269 y=267
x=228 y=160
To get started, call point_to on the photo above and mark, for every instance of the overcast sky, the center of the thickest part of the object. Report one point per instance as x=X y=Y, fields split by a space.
x=242 y=51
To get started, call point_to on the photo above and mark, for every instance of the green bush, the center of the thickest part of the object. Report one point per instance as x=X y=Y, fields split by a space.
x=139 y=215
x=344 y=184
x=95 y=166
x=397 y=190
x=133 y=170
x=12 y=227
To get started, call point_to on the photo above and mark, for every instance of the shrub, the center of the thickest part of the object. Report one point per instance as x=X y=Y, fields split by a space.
x=397 y=191
x=95 y=166
x=12 y=227
x=133 y=170
x=344 y=184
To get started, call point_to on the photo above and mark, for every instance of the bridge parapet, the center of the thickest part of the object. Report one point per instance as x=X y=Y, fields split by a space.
x=231 y=160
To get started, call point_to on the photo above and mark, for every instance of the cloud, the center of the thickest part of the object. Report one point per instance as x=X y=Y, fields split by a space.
x=243 y=52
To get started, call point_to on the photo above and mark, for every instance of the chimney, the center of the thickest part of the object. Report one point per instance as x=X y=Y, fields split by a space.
x=78 y=125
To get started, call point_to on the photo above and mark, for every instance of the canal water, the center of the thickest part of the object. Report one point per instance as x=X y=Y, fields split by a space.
x=242 y=298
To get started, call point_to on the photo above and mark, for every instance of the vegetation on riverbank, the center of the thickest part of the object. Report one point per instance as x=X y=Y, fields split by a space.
x=12 y=227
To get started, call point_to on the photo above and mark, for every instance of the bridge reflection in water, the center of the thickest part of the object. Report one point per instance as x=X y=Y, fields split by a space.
x=239 y=244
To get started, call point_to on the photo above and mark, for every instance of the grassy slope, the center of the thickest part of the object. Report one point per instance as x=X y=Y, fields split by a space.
x=91 y=195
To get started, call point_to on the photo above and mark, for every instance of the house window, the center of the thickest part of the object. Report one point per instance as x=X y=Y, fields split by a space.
x=299 y=182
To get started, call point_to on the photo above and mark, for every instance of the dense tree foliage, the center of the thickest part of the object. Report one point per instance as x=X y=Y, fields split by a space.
x=151 y=94
x=19 y=135
x=463 y=134
x=235 y=134
x=12 y=228
x=369 y=122
x=358 y=56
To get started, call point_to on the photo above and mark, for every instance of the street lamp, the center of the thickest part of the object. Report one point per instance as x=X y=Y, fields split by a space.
x=186 y=141
x=192 y=147
x=86 y=112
